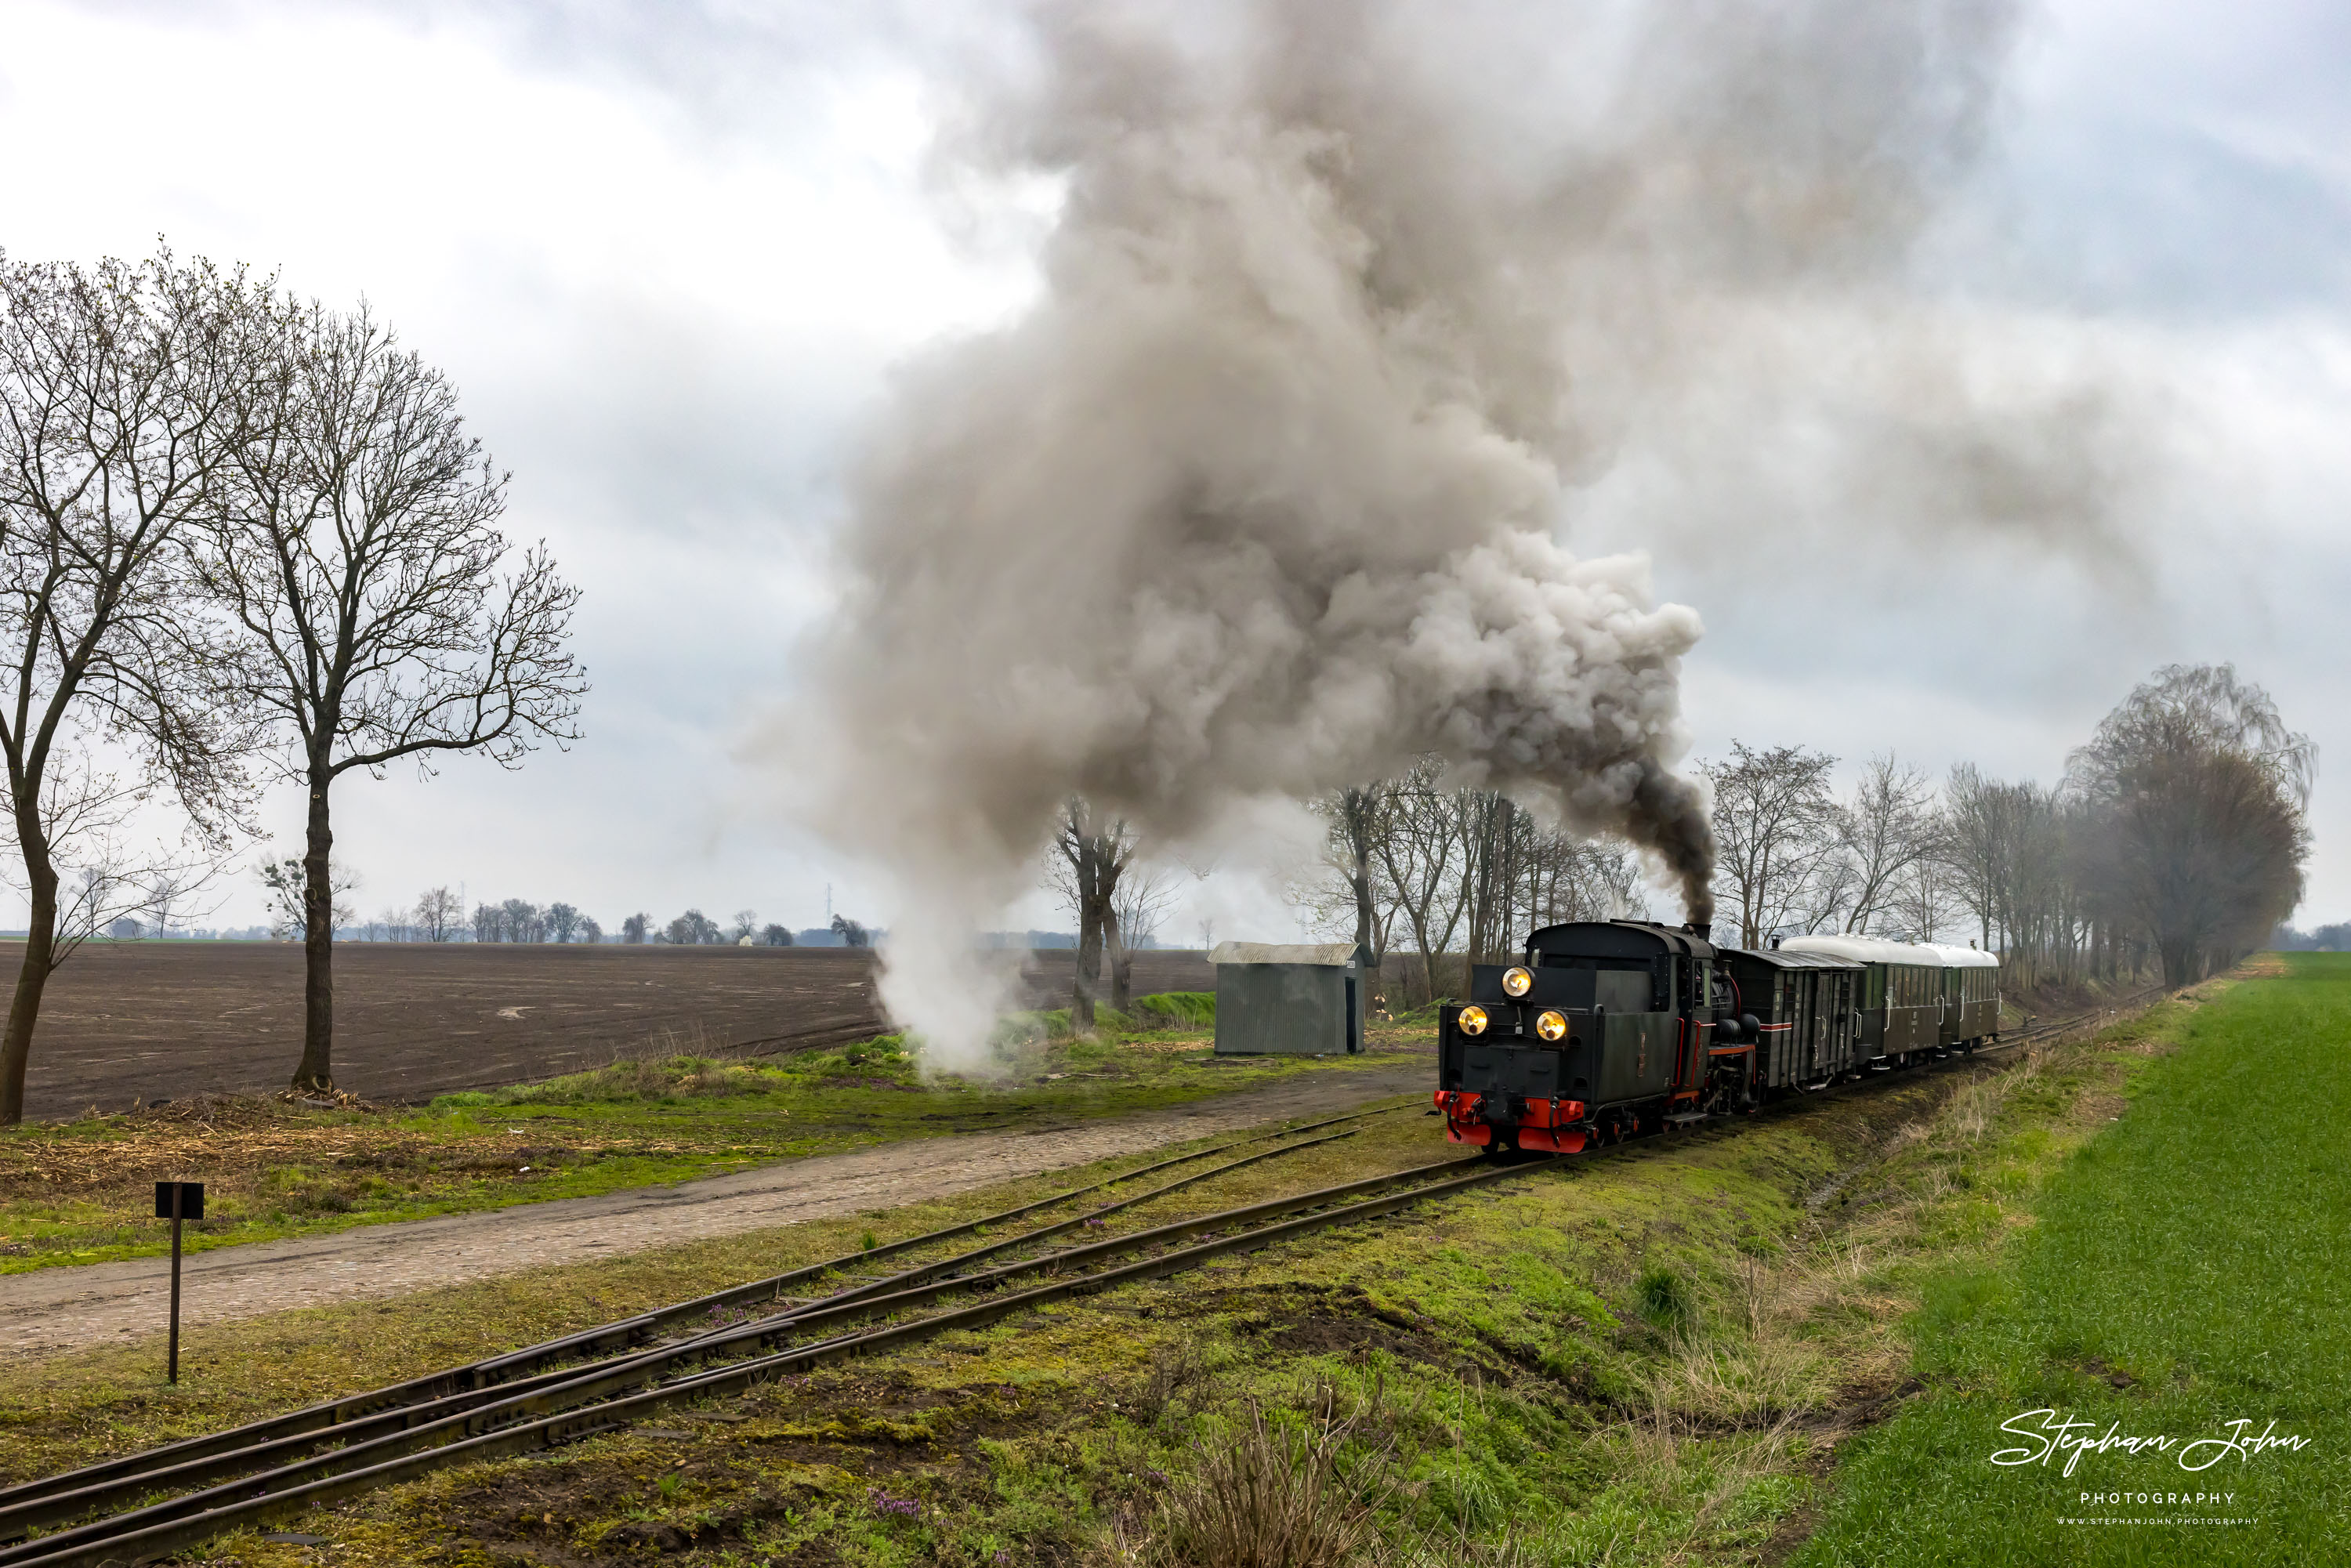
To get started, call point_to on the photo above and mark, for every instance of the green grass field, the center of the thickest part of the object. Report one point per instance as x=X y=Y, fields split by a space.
x=2188 y=1269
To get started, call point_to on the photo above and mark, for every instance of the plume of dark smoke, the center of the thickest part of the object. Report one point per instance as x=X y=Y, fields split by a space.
x=1341 y=305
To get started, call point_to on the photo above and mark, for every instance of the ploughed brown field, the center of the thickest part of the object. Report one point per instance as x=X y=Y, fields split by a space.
x=163 y=1021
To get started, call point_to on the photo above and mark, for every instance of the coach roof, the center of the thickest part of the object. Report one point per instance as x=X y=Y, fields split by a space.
x=1874 y=950
x=1783 y=959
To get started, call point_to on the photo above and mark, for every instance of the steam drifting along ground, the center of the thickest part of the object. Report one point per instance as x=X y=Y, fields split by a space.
x=1343 y=312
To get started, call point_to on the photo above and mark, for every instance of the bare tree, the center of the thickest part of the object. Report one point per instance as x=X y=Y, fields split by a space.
x=1092 y=857
x=1979 y=843
x=489 y=922
x=747 y=926
x=290 y=909
x=634 y=929
x=360 y=554
x=563 y=920
x=1580 y=879
x=174 y=892
x=590 y=933
x=694 y=928
x=1361 y=817
x=119 y=387
x=1146 y=893
x=1924 y=901
x=524 y=921
x=437 y=913
x=1886 y=829
x=1420 y=860
x=2194 y=792
x=1775 y=826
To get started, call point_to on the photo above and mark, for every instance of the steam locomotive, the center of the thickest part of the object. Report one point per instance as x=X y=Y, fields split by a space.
x=1607 y=1030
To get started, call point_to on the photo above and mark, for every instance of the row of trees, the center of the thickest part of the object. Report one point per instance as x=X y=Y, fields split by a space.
x=434 y=919
x=2174 y=842
x=1452 y=870
x=241 y=535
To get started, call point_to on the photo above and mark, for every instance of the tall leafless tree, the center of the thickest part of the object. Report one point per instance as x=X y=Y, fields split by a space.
x=1884 y=829
x=2193 y=793
x=1774 y=828
x=1420 y=861
x=438 y=915
x=1361 y=817
x=1494 y=834
x=1092 y=857
x=358 y=549
x=119 y=391
x=1146 y=893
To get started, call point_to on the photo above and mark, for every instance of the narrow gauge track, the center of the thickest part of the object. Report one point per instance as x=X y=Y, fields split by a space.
x=508 y=1403
x=600 y=1380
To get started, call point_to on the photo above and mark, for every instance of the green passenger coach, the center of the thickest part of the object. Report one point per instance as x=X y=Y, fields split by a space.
x=1915 y=996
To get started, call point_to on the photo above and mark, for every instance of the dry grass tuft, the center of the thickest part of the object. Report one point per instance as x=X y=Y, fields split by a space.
x=1270 y=1495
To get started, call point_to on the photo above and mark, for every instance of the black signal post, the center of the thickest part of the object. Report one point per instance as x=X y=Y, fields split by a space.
x=176 y=1201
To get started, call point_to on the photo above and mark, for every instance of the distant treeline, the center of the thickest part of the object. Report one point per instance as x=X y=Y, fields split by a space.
x=2336 y=938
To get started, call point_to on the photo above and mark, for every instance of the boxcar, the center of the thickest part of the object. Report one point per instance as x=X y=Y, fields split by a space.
x=1804 y=1003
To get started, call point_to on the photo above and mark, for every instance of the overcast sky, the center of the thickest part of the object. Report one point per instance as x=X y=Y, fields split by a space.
x=670 y=255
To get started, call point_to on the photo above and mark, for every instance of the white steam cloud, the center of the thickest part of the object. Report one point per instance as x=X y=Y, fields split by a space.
x=1342 y=306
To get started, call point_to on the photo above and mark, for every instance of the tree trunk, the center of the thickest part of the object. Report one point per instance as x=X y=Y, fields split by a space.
x=1088 y=982
x=317 y=1072
x=1122 y=962
x=1085 y=869
x=32 y=977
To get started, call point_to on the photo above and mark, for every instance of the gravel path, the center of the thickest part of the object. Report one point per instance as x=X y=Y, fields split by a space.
x=50 y=1310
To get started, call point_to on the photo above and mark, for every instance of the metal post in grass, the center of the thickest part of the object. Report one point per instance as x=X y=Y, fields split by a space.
x=176 y=1201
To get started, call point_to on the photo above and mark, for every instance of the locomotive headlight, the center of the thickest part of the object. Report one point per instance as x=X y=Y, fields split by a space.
x=1518 y=980
x=1552 y=1025
x=1472 y=1019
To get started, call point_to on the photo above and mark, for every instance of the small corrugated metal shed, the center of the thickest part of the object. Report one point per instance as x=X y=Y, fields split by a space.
x=1301 y=1000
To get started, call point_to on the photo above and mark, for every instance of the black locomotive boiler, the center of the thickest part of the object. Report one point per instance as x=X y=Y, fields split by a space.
x=1610 y=1029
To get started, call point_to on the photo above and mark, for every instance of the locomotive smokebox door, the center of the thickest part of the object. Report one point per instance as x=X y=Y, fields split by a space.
x=1297 y=1000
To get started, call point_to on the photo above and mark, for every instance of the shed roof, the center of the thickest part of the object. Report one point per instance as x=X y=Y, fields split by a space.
x=1325 y=955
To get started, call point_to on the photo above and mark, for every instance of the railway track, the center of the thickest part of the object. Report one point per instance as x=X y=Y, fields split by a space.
x=167 y=1498
x=164 y=1499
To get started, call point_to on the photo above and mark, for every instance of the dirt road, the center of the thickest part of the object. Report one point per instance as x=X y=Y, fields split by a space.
x=55 y=1310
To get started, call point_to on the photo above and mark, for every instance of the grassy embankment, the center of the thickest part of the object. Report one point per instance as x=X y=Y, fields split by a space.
x=2186 y=1271
x=80 y=1192
x=1651 y=1359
